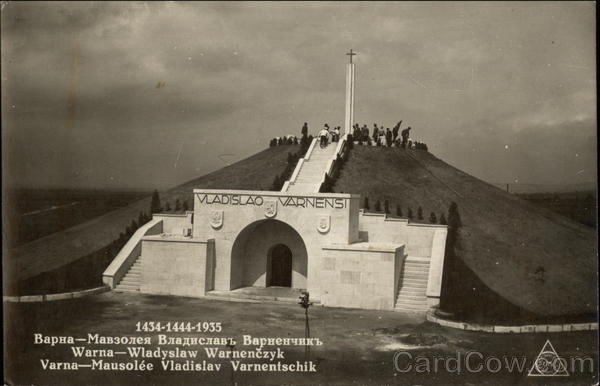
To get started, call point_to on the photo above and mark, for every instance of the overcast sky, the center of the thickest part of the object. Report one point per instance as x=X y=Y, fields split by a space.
x=144 y=95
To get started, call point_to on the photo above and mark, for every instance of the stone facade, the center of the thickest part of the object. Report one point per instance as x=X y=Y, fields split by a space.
x=177 y=266
x=342 y=256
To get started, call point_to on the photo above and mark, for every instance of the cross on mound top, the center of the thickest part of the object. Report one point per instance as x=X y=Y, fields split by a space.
x=351 y=54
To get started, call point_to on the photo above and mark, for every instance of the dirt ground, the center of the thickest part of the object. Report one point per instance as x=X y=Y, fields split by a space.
x=359 y=346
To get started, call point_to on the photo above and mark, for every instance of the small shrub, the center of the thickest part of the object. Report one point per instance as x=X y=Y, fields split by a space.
x=410 y=213
x=377 y=206
x=454 y=220
x=433 y=218
x=277 y=184
x=420 y=213
x=366 y=204
x=443 y=219
x=142 y=218
x=399 y=210
x=386 y=207
x=155 y=203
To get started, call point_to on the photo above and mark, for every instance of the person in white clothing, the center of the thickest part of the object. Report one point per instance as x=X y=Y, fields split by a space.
x=323 y=134
x=336 y=134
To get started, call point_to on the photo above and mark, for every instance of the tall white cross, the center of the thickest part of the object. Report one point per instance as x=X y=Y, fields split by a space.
x=349 y=119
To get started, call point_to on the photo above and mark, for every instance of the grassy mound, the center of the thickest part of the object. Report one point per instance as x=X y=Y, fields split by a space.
x=58 y=250
x=532 y=259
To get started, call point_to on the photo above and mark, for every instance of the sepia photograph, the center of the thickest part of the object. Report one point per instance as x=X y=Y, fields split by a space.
x=299 y=193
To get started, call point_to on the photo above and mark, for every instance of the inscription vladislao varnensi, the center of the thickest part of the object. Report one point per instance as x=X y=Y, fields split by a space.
x=285 y=201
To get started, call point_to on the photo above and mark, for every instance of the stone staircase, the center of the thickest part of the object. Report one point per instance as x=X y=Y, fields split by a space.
x=313 y=170
x=133 y=278
x=413 y=285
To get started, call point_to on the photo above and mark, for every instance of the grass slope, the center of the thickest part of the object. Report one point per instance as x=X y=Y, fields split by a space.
x=61 y=248
x=504 y=239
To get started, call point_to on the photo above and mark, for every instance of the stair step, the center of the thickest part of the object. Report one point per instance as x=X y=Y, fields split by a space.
x=416 y=267
x=412 y=275
x=408 y=303
x=417 y=261
x=411 y=309
x=413 y=287
x=402 y=303
x=414 y=264
x=128 y=287
x=413 y=291
x=414 y=270
x=411 y=297
x=414 y=306
x=130 y=280
x=412 y=280
x=419 y=265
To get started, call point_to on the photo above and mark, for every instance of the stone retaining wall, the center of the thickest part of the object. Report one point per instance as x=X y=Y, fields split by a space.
x=568 y=327
x=53 y=297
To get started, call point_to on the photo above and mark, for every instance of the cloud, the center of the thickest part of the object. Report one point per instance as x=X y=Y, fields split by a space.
x=82 y=79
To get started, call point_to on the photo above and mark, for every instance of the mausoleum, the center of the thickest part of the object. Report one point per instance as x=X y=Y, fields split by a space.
x=296 y=239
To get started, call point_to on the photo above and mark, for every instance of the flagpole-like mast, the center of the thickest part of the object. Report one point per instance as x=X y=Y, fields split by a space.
x=349 y=120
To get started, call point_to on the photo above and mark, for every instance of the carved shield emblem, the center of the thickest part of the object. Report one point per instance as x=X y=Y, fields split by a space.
x=270 y=208
x=324 y=224
x=216 y=218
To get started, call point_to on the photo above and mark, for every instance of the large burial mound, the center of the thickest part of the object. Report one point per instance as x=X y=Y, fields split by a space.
x=513 y=260
x=61 y=248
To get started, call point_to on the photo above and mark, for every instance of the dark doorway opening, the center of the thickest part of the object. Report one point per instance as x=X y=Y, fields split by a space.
x=280 y=266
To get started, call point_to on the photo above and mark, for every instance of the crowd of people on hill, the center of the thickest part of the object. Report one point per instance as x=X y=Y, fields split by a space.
x=381 y=136
x=326 y=134
x=378 y=136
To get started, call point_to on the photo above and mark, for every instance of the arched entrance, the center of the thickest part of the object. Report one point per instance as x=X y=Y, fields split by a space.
x=267 y=253
x=279 y=266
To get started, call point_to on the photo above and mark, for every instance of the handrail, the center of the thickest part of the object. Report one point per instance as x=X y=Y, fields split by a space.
x=310 y=149
x=130 y=251
x=301 y=161
x=341 y=148
x=297 y=170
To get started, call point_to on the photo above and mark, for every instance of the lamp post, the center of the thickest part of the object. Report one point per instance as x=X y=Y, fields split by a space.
x=305 y=303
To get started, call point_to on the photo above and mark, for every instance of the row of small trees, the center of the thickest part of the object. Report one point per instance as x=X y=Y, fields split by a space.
x=156 y=207
x=330 y=180
x=433 y=218
x=144 y=217
x=280 y=179
x=292 y=158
